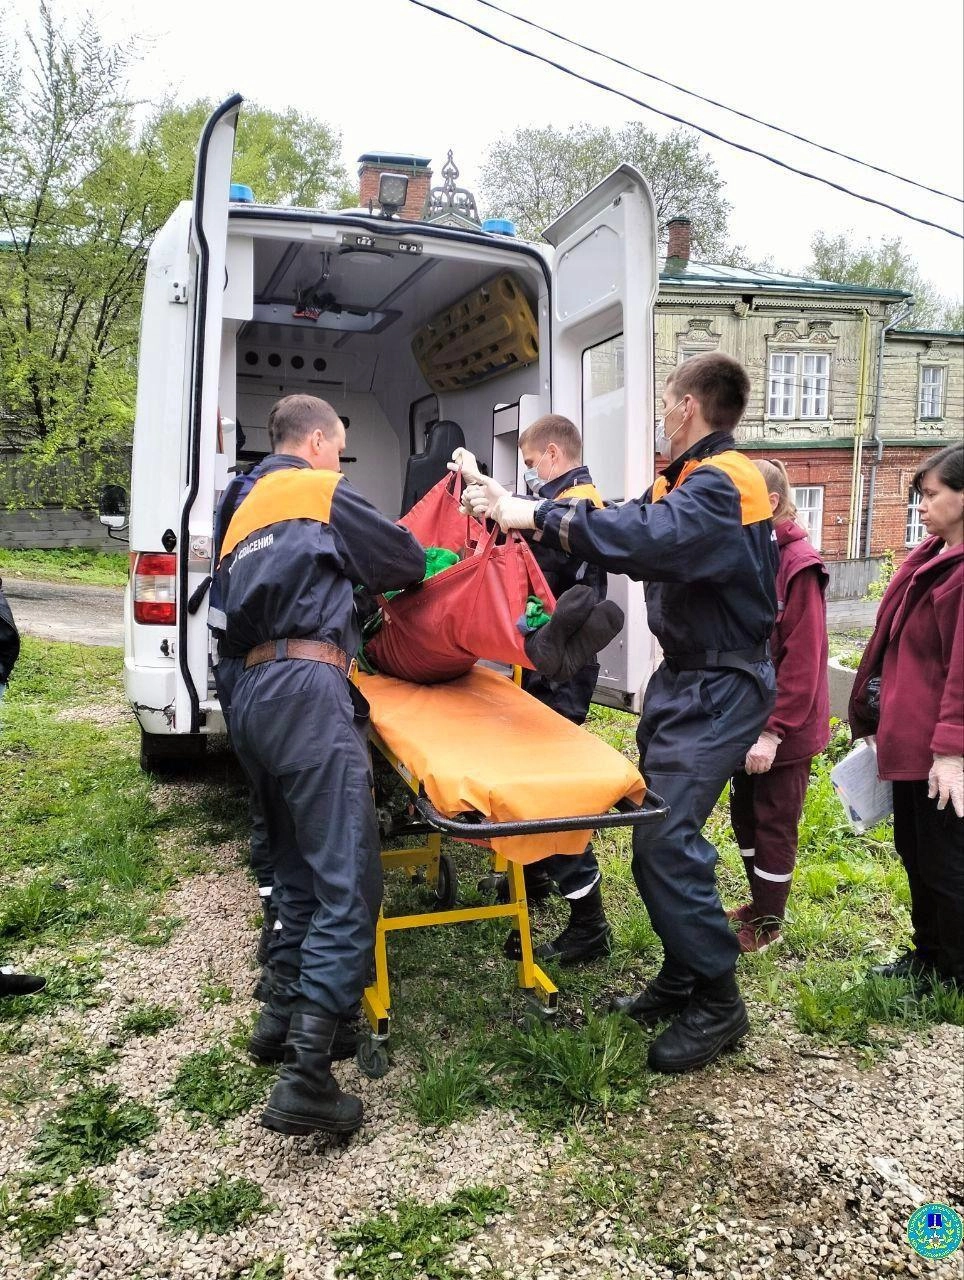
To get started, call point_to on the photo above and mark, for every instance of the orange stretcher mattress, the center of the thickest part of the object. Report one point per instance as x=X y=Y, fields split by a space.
x=480 y=742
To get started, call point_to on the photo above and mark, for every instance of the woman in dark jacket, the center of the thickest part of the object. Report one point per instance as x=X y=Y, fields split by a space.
x=767 y=795
x=917 y=652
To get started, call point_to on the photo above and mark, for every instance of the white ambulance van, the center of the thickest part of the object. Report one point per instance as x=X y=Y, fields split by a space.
x=415 y=324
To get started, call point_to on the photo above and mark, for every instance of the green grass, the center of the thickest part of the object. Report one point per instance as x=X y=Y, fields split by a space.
x=73 y=982
x=95 y=568
x=147 y=1020
x=453 y=1087
x=228 y=1203
x=416 y=1240
x=264 y=1269
x=36 y=1225
x=212 y=993
x=566 y=1073
x=90 y=1130
x=84 y=847
x=217 y=1084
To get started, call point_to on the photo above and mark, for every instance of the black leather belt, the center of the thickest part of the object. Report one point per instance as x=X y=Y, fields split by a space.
x=727 y=659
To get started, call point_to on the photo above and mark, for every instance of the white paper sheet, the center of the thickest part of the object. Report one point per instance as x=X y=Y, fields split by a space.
x=866 y=799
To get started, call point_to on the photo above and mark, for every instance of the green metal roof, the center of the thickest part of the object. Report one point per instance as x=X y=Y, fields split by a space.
x=701 y=275
x=399 y=158
x=926 y=333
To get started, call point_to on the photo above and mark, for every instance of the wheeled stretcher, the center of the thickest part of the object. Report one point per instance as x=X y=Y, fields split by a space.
x=487 y=764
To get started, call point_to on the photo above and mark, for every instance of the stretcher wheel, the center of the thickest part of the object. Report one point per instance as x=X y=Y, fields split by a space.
x=447 y=888
x=371 y=1058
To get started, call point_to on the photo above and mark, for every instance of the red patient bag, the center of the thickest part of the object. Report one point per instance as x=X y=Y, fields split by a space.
x=439 y=629
x=436 y=520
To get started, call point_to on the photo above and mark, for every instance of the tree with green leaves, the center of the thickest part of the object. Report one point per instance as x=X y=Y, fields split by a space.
x=83 y=191
x=885 y=265
x=533 y=174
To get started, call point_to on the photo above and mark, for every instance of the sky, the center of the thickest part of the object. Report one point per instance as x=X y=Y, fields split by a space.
x=858 y=76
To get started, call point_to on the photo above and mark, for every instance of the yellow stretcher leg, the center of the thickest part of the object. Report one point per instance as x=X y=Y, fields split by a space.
x=376 y=999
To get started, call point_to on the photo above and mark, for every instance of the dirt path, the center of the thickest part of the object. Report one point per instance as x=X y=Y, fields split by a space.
x=67 y=611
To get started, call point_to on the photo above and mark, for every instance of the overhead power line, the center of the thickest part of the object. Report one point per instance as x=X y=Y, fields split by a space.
x=668 y=115
x=691 y=93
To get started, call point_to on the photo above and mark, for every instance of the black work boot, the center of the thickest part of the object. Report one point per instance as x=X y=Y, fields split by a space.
x=267 y=1042
x=667 y=995
x=913 y=965
x=20 y=984
x=715 y=1019
x=586 y=936
x=538 y=883
x=575 y=633
x=306 y=1097
x=267 y=929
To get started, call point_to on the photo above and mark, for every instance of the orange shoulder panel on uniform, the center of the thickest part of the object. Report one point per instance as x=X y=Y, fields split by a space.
x=750 y=485
x=754 y=499
x=292 y=494
x=660 y=486
x=581 y=491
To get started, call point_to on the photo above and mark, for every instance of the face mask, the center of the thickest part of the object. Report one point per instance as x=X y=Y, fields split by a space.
x=533 y=480
x=662 y=439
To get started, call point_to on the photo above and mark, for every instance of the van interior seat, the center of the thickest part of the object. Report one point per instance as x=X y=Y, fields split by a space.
x=427 y=468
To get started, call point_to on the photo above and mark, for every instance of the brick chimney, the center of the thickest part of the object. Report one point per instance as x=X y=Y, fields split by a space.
x=678 y=246
x=375 y=163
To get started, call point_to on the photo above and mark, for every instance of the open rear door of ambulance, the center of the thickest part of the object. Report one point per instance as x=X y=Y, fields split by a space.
x=209 y=234
x=604 y=285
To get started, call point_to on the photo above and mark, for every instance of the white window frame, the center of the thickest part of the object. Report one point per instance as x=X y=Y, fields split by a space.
x=930 y=406
x=914 y=531
x=798 y=385
x=808 y=500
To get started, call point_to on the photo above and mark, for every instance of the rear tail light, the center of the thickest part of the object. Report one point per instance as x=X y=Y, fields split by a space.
x=155 y=589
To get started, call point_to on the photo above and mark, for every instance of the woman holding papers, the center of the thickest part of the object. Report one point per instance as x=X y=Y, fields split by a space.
x=915 y=706
x=767 y=794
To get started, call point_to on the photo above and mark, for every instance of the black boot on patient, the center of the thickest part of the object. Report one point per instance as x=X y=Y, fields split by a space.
x=578 y=629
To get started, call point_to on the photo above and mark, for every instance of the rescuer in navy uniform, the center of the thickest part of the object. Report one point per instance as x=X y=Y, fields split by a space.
x=551 y=449
x=703 y=542
x=292 y=555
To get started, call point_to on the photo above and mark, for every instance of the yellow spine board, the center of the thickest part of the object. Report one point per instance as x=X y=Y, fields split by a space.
x=488 y=331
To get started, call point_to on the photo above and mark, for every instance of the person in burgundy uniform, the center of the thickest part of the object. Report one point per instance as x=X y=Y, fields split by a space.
x=917 y=716
x=767 y=794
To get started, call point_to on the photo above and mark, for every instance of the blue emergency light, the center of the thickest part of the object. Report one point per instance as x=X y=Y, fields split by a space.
x=499 y=226
x=240 y=193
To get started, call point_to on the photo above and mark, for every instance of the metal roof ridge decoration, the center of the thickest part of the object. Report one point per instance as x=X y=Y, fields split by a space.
x=700 y=274
x=451 y=204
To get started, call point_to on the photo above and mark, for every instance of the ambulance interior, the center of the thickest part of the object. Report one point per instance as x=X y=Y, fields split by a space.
x=475 y=314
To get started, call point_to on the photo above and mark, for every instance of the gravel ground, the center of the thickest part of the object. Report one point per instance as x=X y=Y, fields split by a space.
x=822 y=1161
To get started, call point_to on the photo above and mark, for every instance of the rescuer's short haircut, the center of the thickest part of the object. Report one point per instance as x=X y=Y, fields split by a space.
x=553 y=428
x=292 y=420
x=718 y=382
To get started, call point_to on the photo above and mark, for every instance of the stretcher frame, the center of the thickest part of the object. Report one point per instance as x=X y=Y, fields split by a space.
x=427 y=858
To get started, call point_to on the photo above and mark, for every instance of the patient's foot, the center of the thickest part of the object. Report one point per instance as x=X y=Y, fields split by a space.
x=575 y=633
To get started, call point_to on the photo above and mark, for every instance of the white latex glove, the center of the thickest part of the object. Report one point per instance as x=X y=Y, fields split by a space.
x=760 y=756
x=511 y=512
x=464 y=460
x=479 y=498
x=946 y=782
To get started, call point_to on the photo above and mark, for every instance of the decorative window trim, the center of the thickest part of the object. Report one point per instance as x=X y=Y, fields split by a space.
x=795 y=381
x=940 y=363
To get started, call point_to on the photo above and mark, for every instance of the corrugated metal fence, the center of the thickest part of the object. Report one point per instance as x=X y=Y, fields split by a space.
x=849 y=579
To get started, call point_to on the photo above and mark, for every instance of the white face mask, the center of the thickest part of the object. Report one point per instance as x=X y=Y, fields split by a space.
x=662 y=439
x=533 y=480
